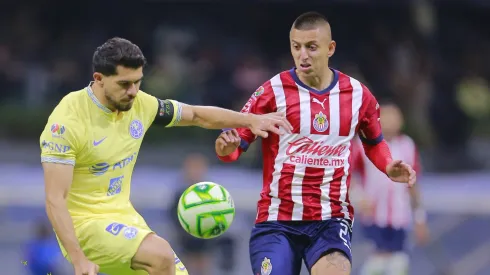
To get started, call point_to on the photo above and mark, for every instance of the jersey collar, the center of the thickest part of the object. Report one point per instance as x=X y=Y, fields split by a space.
x=95 y=100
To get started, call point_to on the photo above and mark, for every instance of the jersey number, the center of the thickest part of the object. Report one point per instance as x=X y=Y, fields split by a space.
x=343 y=234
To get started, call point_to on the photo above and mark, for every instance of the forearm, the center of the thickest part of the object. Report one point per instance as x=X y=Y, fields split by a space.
x=63 y=225
x=218 y=118
x=378 y=154
x=419 y=213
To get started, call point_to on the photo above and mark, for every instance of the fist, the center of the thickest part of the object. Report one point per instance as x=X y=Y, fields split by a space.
x=227 y=142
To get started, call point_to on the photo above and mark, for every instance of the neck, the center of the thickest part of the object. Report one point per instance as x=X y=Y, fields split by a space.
x=99 y=94
x=318 y=82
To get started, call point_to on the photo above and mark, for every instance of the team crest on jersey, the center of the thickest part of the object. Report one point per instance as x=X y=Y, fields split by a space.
x=266 y=267
x=130 y=232
x=136 y=129
x=259 y=91
x=320 y=122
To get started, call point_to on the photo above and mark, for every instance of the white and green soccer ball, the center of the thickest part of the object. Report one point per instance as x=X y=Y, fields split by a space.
x=206 y=210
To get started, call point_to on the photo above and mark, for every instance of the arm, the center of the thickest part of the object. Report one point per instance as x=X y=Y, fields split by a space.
x=375 y=147
x=420 y=216
x=213 y=117
x=58 y=178
x=172 y=113
x=232 y=143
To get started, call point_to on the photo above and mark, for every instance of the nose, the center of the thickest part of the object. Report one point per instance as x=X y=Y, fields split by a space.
x=132 y=91
x=303 y=54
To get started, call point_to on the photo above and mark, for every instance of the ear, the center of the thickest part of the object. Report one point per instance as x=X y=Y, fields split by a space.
x=331 y=48
x=98 y=78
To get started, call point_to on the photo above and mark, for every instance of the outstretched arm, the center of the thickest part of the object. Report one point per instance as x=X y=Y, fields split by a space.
x=209 y=117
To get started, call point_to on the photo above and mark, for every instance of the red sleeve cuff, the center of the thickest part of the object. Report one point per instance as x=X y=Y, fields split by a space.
x=231 y=157
x=379 y=154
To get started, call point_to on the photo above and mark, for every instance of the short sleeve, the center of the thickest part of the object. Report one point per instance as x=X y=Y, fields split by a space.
x=61 y=140
x=165 y=112
x=369 y=119
x=258 y=103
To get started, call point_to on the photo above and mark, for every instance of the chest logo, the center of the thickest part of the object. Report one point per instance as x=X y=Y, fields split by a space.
x=97 y=142
x=320 y=122
x=316 y=100
x=136 y=129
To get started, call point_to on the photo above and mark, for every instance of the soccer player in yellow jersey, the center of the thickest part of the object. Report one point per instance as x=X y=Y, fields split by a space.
x=89 y=149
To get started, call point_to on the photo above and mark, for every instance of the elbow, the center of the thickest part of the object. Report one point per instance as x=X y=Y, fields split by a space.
x=54 y=201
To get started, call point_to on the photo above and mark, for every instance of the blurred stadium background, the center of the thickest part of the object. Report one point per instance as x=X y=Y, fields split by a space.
x=431 y=57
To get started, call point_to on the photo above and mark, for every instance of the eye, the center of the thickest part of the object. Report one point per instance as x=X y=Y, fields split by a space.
x=313 y=47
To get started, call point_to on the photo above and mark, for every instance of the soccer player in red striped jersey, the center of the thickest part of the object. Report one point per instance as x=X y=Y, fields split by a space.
x=304 y=212
x=387 y=209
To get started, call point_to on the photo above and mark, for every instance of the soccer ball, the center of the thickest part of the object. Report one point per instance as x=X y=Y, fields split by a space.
x=206 y=210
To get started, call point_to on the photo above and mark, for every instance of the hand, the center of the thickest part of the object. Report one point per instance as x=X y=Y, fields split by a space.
x=421 y=233
x=83 y=266
x=227 y=142
x=262 y=124
x=399 y=171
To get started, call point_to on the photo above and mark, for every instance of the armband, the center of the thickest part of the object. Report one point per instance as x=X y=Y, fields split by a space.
x=168 y=113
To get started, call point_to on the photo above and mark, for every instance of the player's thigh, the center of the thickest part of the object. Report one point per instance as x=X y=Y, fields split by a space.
x=330 y=249
x=153 y=252
x=272 y=251
x=111 y=244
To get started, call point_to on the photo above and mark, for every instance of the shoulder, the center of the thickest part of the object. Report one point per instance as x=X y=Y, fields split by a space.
x=143 y=98
x=72 y=108
x=347 y=82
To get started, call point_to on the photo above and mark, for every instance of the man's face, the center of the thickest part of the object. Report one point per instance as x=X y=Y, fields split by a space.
x=121 y=89
x=391 y=120
x=311 y=49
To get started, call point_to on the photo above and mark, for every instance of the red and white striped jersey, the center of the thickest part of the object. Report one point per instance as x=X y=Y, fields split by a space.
x=306 y=174
x=392 y=205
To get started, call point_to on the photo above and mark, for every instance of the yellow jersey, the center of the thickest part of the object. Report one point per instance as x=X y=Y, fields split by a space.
x=103 y=147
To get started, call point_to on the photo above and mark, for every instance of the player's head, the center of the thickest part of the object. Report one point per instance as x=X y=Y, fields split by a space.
x=195 y=168
x=391 y=119
x=118 y=70
x=311 y=43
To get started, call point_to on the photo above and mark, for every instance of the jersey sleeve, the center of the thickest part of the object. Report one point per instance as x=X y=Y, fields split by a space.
x=62 y=138
x=258 y=103
x=165 y=112
x=369 y=119
x=357 y=157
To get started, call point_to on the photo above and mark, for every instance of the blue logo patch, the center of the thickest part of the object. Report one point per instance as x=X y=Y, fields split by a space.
x=136 y=129
x=115 y=228
x=130 y=232
x=99 y=168
x=115 y=186
x=55 y=147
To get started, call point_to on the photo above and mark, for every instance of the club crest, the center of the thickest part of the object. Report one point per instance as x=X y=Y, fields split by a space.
x=320 y=122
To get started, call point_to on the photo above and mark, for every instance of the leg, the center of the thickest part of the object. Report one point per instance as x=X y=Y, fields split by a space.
x=333 y=263
x=272 y=251
x=155 y=256
x=329 y=252
x=112 y=244
x=388 y=257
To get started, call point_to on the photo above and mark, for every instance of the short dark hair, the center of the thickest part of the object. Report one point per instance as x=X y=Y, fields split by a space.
x=309 y=20
x=117 y=52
